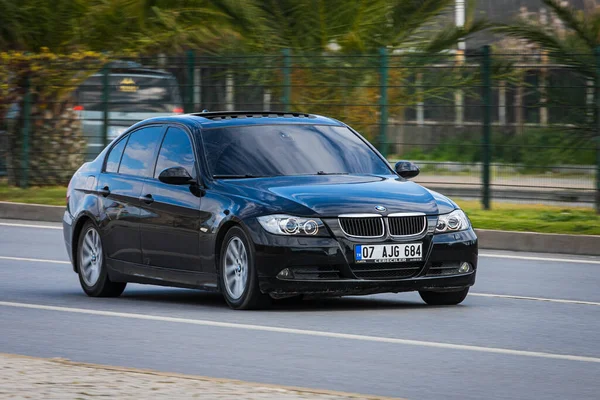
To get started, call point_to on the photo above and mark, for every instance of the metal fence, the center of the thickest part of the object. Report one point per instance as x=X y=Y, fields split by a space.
x=484 y=126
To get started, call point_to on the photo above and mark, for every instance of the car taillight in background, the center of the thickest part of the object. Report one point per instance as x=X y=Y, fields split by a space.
x=78 y=108
x=178 y=110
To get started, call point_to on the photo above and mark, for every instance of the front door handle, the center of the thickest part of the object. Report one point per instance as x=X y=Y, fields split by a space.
x=105 y=191
x=148 y=199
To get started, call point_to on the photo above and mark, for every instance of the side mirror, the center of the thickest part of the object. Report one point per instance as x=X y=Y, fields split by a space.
x=176 y=176
x=406 y=169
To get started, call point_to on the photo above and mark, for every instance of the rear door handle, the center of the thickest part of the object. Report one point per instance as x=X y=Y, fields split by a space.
x=105 y=191
x=148 y=199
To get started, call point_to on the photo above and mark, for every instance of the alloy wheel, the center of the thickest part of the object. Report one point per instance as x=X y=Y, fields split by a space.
x=236 y=268
x=90 y=257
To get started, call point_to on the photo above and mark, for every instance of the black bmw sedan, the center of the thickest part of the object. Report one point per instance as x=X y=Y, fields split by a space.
x=262 y=206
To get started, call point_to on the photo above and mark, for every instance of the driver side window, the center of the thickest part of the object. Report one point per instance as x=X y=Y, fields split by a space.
x=176 y=151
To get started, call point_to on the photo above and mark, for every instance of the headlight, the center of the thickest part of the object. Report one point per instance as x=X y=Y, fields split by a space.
x=455 y=221
x=289 y=225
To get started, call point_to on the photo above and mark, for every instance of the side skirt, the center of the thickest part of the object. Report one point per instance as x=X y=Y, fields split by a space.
x=123 y=271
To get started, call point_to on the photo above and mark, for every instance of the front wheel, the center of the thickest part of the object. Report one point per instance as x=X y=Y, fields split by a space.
x=239 y=280
x=444 y=298
x=93 y=276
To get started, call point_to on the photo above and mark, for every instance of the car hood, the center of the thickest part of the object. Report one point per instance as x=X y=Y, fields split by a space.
x=331 y=195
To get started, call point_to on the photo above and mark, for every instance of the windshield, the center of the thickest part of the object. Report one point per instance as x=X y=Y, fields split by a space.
x=131 y=93
x=269 y=150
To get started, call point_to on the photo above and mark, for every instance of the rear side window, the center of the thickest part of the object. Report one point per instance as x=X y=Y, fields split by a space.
x=114 y=157
x=176 y=151
x=138 y=157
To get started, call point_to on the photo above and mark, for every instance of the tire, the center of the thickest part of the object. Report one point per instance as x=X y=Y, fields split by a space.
x=91 y=268
x=444 y=298
x=237 y=274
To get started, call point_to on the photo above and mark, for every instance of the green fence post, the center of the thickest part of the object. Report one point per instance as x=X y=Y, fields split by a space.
x=383 y=101
x=24 y=182
x=597 y=130
x=191 y=65
x=287 y=79
x=486 y=80
x=105 y=99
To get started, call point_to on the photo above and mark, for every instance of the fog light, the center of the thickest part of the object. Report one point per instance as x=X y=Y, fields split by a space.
x=464 y=267
x=285 y=273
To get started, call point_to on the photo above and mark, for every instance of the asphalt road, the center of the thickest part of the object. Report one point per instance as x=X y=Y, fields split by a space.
x=529 y=330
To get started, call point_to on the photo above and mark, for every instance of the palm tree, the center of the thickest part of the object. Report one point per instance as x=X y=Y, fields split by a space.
x=29 y=25
x=572 y=41
x=54 y=46
x=119 y=25
x=212 y=26
x=166 y=26
x=573 y=45
x=335 y=48
x=359 y=26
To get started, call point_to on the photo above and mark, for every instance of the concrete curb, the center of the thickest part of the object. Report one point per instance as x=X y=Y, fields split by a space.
x=31 y=212
x=539 y=242
x=488 y=239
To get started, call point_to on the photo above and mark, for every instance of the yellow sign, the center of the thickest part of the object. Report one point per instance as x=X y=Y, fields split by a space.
x=128 y=85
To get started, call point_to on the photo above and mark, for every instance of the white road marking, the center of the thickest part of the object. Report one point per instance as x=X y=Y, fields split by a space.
x=30 y=226
x=34 y=260
x=335 y=335
x=563 y=260
x=509 y=296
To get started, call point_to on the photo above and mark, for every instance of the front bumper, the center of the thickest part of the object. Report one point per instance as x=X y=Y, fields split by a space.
x=326 y=266
x=362 y=287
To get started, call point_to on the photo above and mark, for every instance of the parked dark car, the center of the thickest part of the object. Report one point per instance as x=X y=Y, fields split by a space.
x=261 y=206
x=133 y=94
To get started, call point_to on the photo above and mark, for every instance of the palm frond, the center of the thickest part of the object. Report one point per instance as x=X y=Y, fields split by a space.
x=451 y=35
x=409 y=16
x=558 y=49
x=574 y=20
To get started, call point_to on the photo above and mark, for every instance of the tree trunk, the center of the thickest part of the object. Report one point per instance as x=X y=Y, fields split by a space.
x=56 y=146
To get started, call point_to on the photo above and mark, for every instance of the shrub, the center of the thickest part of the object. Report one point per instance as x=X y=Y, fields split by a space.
x=535 y=147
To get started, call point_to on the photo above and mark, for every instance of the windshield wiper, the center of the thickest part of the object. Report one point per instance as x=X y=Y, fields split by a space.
x=238 y=176
x=331 y=173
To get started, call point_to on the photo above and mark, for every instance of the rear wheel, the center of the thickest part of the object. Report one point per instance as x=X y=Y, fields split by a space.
x=239 y=280
x=93 y=276
x=444 y=298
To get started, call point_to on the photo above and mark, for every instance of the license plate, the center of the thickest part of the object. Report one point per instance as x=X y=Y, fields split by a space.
x=388 y=253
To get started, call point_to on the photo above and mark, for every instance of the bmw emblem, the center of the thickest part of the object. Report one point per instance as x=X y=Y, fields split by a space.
x=380 y=208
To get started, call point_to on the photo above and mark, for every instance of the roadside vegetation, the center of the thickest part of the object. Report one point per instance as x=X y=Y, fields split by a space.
x=49 y=195
x=532 y=218
x=553 y=146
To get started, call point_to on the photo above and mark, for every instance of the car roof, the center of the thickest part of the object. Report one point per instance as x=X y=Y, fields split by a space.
x=241 y=118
